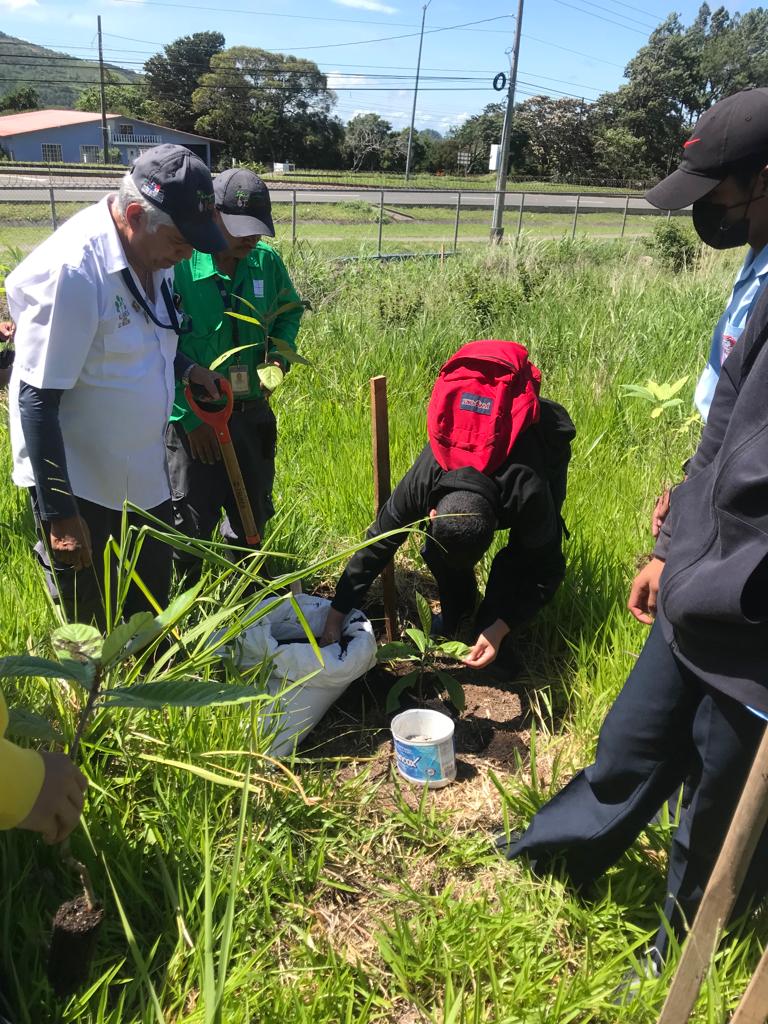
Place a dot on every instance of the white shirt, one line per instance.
(78, 329)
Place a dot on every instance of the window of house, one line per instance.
(51, 152)
(90, 154)
(125, 129)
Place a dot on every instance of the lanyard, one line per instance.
(174, 325)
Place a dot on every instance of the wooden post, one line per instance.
(753, 1008)
(723, 888)
(382, 488)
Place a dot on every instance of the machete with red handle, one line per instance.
(219, 420)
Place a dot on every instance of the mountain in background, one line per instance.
(57, 77)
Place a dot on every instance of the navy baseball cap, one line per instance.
(243, 201)
(731, 133)
(177, 182)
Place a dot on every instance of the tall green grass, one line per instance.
(324, 903)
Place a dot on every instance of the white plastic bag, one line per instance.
(281, 636)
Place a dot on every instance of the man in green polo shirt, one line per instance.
(248, 278)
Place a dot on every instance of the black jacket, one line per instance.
(528, 492)
(714, 588)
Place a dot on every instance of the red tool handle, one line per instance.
(219, 420)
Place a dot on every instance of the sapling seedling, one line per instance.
(425, 653)
(270, 376)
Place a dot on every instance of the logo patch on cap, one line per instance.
(241, 197)
(690, 142)
(153, 191)
(205, 201)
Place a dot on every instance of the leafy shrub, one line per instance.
(675, 245)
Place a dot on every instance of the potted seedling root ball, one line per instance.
(425, 655)
(92, 667)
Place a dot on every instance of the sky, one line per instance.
(369, 48)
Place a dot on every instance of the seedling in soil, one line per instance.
(270, 376)
(425, 653)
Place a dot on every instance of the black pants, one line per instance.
(664, 726)
(457, 587)
(81, 592)
(201, 491)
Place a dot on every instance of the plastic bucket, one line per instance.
(424, 747)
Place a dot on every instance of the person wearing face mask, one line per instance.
(245, 277)
(694, 707)
(724, 176)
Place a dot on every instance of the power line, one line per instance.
(626, 17)
(640, 10)
(564, 3)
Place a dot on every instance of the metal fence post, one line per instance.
(575, 215)
(456, 224)
(54, 218)
(293, 217)
(381, 220)
(624, 218)
(669, 214)
(520, 216)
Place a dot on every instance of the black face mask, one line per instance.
(709, 222)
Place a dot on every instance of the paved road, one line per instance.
(28, 188)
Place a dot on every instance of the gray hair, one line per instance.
(129, 193)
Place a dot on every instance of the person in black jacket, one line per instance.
(464, 508)
(694, 705)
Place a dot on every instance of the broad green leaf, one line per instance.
(179, 693)
(419, 638)
(655, 413)
(242, 316)
(453, 688)
(395, 651)
(28, 725)
(23, 665)
(140, 624)
(286, 350)
(179, 606)
(270, 377)
(285, 308)
(425, 613)
(217, 362)
(402, 684)
(245, 302)
(454, 649)
(76, 640)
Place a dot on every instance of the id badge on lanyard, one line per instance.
(240, 379)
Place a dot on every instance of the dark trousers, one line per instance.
(201, 491)
(664, 727)
(81, 592)
(457, 587)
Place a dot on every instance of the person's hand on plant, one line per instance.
(332, 631)
(644, 593)
(487, 645)
(203, 444)
(60, 802)
(71, 541)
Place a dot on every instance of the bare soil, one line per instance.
(73, 943)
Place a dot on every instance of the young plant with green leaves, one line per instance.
(270, 376)
(426, 654)
(663, 397)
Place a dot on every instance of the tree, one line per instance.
(21, 99)
(173, 76)
(130, 100)
(478, 134)
(263, 105)
(558, 135)
(366, 140)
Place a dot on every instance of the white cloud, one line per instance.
(338, 80)
(368, 5)
(16, 5)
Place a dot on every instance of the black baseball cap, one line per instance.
(243, 201)
(177, 182)
(731, 133)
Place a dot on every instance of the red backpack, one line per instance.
(485, 396)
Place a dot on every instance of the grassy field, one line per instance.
(351, 228)
(480, 182)
(336, 896)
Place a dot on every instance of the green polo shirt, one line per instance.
(206, 293)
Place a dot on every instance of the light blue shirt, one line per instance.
(747, 287)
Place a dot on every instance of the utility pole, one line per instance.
(104, 132)
(497, 230)
(415, 92)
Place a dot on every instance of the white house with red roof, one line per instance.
(73, 136)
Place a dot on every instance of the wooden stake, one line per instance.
(382, 488)
(753, 1008)
(722, 890)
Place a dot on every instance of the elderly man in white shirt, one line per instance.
(95, 371)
